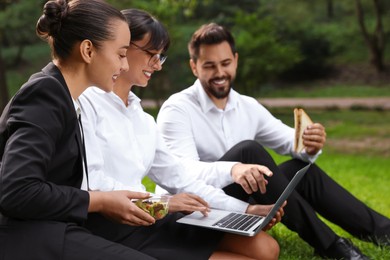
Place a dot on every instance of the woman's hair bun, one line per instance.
(49, 24)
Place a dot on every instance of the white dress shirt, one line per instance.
(193, 127)
(84, 183)
(123, 145)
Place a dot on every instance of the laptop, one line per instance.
(238, 222)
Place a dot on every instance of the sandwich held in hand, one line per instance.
(301, 121)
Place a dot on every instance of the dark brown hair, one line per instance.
(66, 22)
(209, 34)
(142, 23)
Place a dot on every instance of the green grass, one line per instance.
(366, 177)
(363, 171)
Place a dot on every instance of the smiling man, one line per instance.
(210, 121)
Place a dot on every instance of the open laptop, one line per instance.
(241, 223)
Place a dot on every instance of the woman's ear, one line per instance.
(86, 50)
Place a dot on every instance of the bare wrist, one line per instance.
(96, 201)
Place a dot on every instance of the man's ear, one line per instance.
(193, 68)
(236, 59)
(86, 50)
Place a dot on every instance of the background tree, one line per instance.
(280, 43)
(3, 84)
(376, 40)
(17, 30)
(329, 9)
(263, 50)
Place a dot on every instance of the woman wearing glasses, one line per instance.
(123, 146)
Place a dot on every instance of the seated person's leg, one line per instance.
(261, 246)
(167, 239)
(80, 244)
(338, 205)
(299, 215)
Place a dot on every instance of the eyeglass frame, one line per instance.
(159, 56)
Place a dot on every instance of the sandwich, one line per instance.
(301, 121)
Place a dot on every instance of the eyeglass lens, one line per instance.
(156, 58)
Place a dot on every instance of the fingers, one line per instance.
(137, 195)
(138, 217)
(276, 219)
(188, 203)
(279, 214)
(257, 209)
(314, 138)
(270, 225)
(199, 200)
(251, 177)
(254, 181)
(117, 206)
(315, 133)
(260, 180)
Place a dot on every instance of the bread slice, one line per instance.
(301, 121)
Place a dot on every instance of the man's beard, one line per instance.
(215, 91)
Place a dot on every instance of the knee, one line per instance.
(266, 247)
(274, 249)
(250, 145)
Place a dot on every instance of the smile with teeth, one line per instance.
(219, 81)
(114, 77)
(147, 74)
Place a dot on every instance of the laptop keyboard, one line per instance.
(238, 221)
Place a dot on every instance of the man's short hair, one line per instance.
(209, 34)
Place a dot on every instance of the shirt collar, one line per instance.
(207, 104)
(76, 104)
(133, 101)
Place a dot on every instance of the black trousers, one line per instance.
(165, 240)
(80, 244)
(316, 193)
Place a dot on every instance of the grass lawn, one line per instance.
(366, 177)
(356, 156)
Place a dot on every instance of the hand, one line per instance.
(251, 177)
(314, 138)
(188, 203)
(117, 206)
(262, 210)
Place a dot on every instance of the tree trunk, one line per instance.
(18, 57)
(329, 9)
(3, 85)
(376, 41)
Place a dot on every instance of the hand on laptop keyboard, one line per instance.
(188, 203)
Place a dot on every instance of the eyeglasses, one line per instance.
(154, 57)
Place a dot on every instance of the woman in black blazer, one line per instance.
(44, 198)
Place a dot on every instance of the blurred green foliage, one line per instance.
(277, 41)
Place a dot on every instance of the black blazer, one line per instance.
(40, 169)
